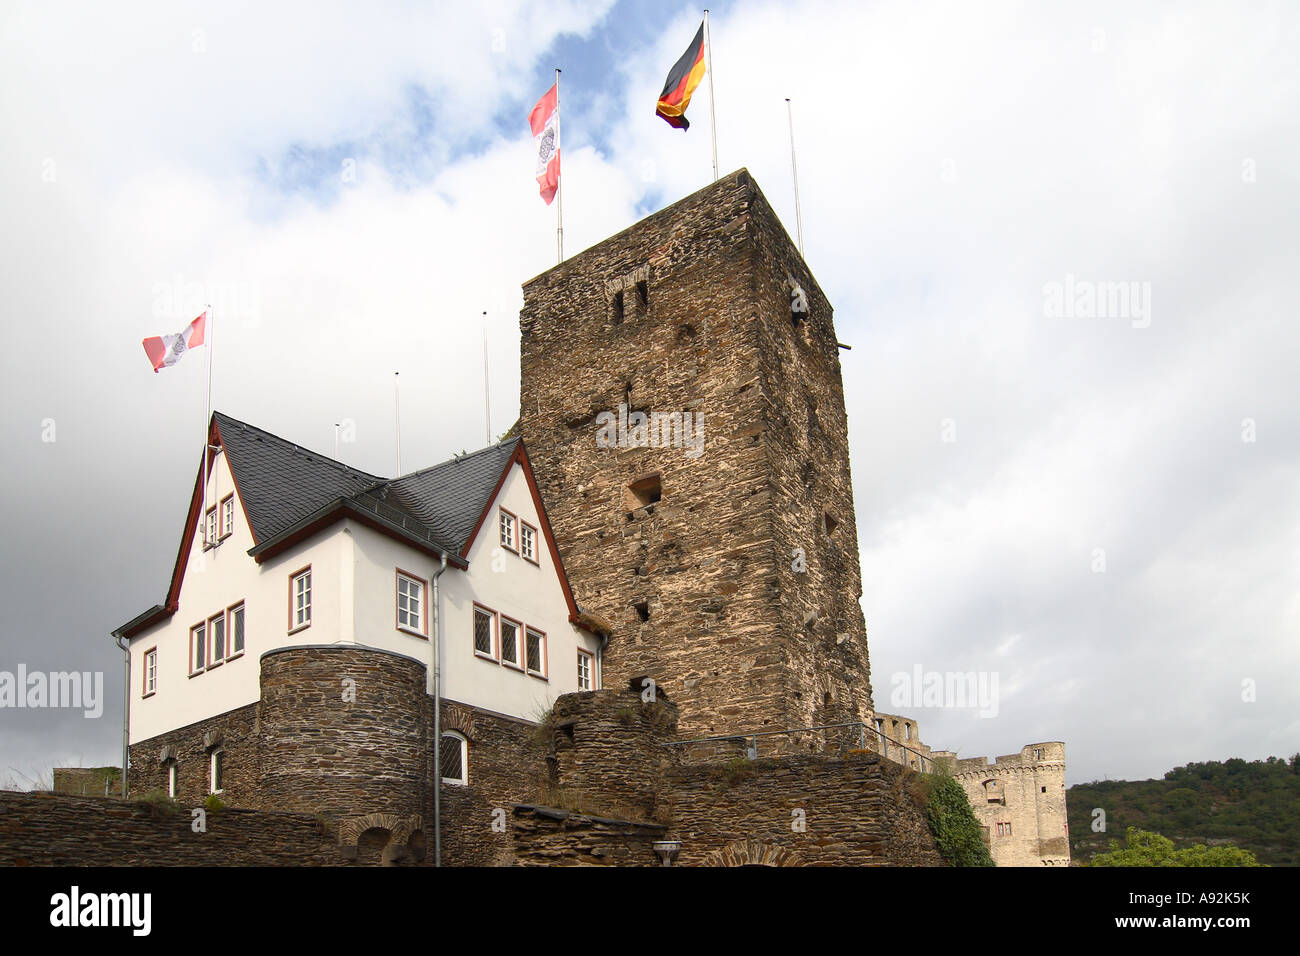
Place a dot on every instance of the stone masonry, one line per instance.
(731, 575)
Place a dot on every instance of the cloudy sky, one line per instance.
(1100, 505)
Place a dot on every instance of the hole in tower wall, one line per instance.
(643, 295)
(643, 492)
(616, 314)
(642, 609)
(830, 523)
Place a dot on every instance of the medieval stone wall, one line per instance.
(191, 747)
(42, 829)
(693, 557)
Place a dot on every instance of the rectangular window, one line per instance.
(410, 603)
(528, 541)
(210, 527)
(300, 599)
(535, 652)
(150, 671)
(507, 521)
(217, 638)
(218, 770)
(198, 648)
(585, 670)
(227, 515)
(483, 643)
(509, 641)
(171, 779)
(235, 619)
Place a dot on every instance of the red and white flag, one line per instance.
(167, 349)
(545, 122)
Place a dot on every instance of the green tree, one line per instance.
(1143, 848)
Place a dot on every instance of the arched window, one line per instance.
(454, 754)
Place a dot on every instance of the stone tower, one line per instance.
(729, 569)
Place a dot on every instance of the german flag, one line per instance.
(683, 78)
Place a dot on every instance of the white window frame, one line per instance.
(150, 671)
(300, 611)
(210, 527)
(418, 598)
(507, 521)
(528, 542)
(216, 768)
(588, 658)
(502, 621)
(493, 632)
(217, 619)
(541, 650)
(173, 779)
(231, 652)
(195, 654)
(227, 515)
(463, 779)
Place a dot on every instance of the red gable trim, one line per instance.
(192, 520)
(520, 457)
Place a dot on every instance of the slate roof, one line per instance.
(283, 485)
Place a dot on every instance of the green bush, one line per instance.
(953, 824)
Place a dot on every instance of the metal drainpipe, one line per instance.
(126, 706)
(437, 719)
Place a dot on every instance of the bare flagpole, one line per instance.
(397, 421)
(708, 68)
(487, 403)
(794, 169)
(209, 338)
(559, 185)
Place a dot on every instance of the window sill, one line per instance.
(146, 696)
(235, 656)
(196, 673)
(300, 627)
(539, 676)
(514, 551)
(533, 561)
(411, 632)
(513, 667)
(486, 657)
(455, 783)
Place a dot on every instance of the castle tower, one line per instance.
(729, 569)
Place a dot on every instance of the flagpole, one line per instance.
(794, 169)
(487, 404)
(210, 338)
(559, 188)
(708, 68)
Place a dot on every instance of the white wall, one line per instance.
(354, 595)
(215, 580)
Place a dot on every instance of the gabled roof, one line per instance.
(288, 493)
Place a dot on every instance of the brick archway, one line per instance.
(753, 853)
